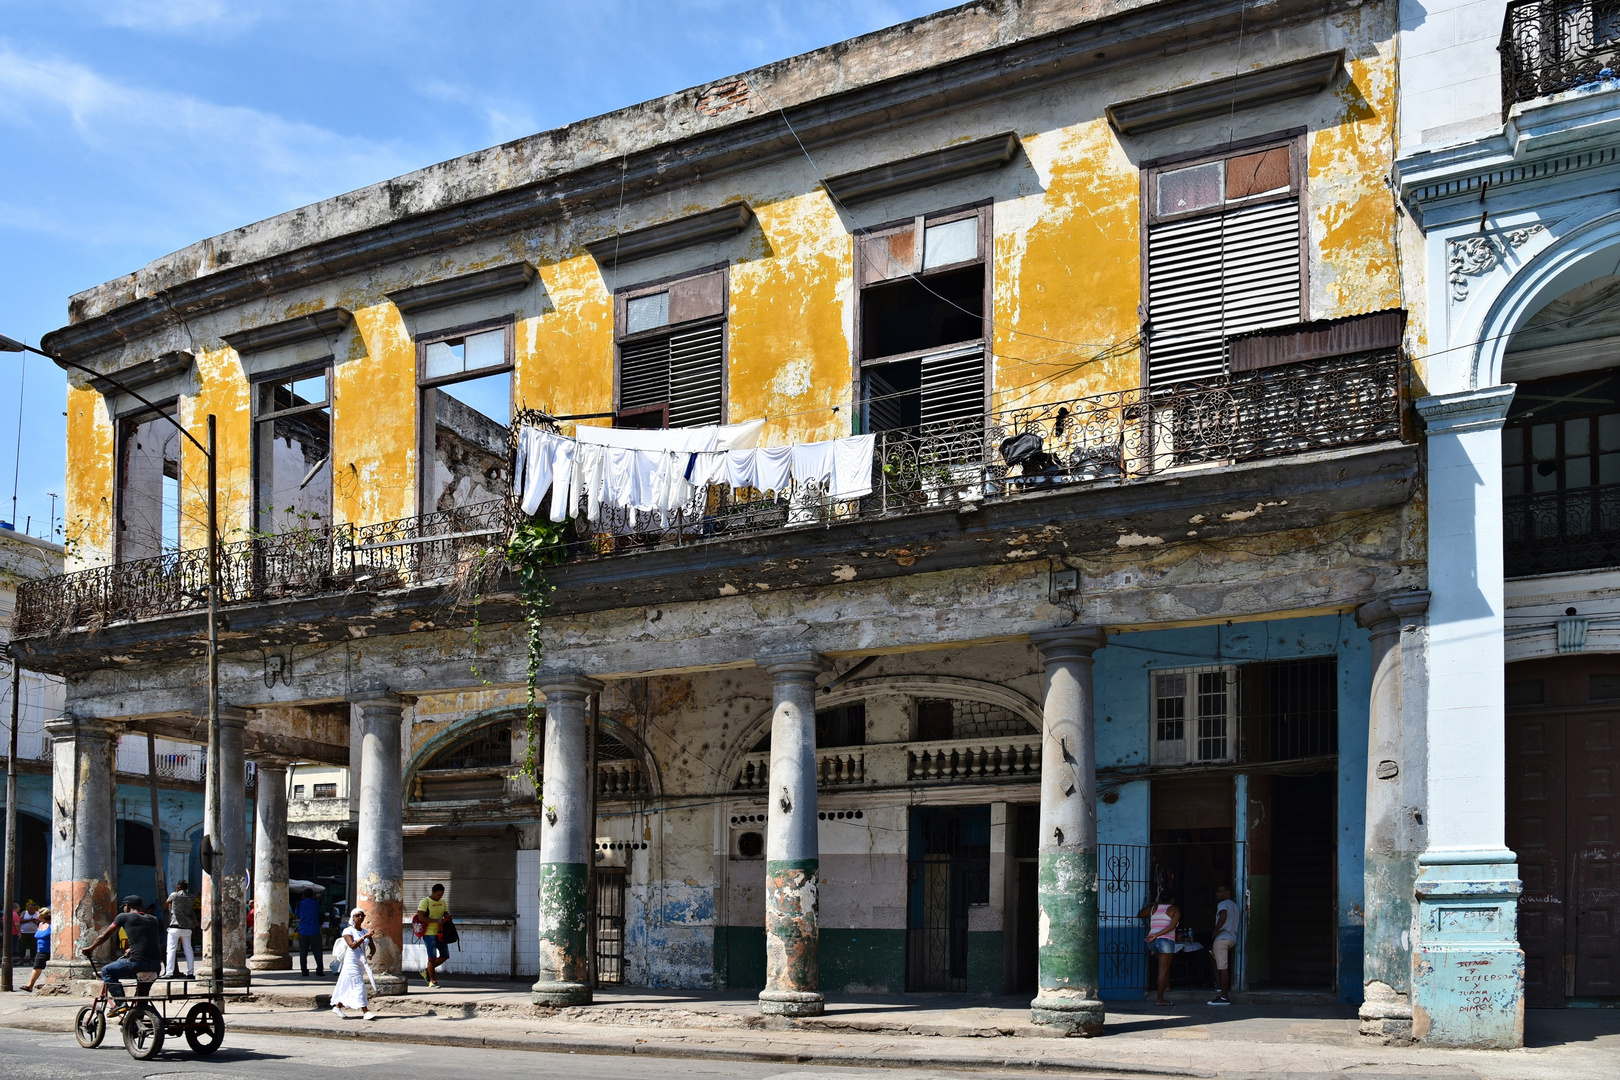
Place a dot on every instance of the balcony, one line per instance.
(1108, 440)
(1550, 46)
(1551, 532)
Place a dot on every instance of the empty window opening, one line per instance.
(942, 719)
(326, 791)
(466, 413)
(148, 486)
(1223, 258)
(293, 450)
(672, 347)
(922, 321)
(843, 726)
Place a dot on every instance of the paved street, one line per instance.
(30, 1056)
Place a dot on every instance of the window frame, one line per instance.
(121, 425)
(1294, 139)
(984, 209)
(325, 365)
(424, 452)
(621, 299)
(1191, 717)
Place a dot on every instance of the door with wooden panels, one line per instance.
(1563, 764)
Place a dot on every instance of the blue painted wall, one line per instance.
(1123, 712)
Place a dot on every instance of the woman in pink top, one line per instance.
(1163, 917)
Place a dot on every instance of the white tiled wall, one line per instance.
(485, 948)
(528, 913)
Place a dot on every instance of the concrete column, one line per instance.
(792, 844)
(1467, 968)
(84, 849)
(270, 952)
(231, 882)
(1394, 832)
(1066, 883)
(380, 859)
(565, 845)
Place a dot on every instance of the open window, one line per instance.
(924, 299)
(1223, 254)
(671, 339)
(465, 375)
(292, 451)
(148, 485)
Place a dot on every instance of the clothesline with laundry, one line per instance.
(660, 470)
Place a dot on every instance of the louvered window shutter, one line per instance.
(1214, 276)
(682, 369)
(644, 374)
(695, 361)
(953, 385)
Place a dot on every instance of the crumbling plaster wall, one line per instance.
(1065, 268)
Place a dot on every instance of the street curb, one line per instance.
(840, 1058)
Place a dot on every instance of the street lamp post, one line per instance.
(210, 844)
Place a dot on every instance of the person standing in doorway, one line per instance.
(430, 915)
(42, 947)
(182, 921)
(308, 914)
(1163, 917)
(1225, 943)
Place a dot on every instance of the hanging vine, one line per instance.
(534, 546)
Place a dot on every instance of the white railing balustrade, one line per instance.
(974, 760)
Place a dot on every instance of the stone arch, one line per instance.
(456, 730)
(1576, 255)
(914, 686)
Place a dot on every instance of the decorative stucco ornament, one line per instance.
(1478, 255)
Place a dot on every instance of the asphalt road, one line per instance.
(26, 1055)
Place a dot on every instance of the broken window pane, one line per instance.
(294, 465)
(646, 312)
(1195, 188)
(466, 424)
(952, 242)
(148, 487)
(457, 356)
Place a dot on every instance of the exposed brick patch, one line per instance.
(723, 97)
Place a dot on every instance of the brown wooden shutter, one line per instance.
(700, 297)
(696, 360)
(888, 255)
(644, 374)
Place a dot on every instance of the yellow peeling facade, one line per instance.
(1065, 266)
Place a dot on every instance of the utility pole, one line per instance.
(6, 959)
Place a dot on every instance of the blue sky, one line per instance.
(131, 128)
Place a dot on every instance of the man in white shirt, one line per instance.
(1226, 924)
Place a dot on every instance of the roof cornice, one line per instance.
(1154, 30)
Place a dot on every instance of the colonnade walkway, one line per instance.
(1189, 1039)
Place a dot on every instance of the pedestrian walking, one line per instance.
(1226, 924)
(354, 949)
(42, 947)
(308, 914)
(431, 914)
(182, 921)
(26, 930)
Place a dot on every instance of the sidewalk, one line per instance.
(941, 1031)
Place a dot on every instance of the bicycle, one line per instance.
(146, 1022)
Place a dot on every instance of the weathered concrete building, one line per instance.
(1136, 602)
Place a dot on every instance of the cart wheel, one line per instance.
(143, 1033)
(205, 1028)
(90, 1027)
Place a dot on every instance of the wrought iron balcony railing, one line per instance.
(1552, 531)
(1109, 438)
(1549, 46)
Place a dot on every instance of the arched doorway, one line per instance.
(1563, 822)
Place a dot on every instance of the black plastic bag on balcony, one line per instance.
(1027, 450)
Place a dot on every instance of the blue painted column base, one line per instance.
(1467, 967)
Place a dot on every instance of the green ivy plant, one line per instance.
(534, 546)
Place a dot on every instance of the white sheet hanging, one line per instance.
(536, 453)
(739, 470)
(813, 462)
(773, 465)
(593, 475)
(564, 478)
(852, 467)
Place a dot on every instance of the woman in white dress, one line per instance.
(350, 991)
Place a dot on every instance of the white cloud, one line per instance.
(169, 16)
(504, 119)
(156, 163)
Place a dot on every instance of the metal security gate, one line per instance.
(609, 928)
(949, 870)
(1129, 876)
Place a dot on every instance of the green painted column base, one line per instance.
(1070, 1013)
(564, 965)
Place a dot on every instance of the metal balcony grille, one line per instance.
(1132, 434)
(1551, 531)
(1550, 46)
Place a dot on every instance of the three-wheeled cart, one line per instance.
(146, 1022)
